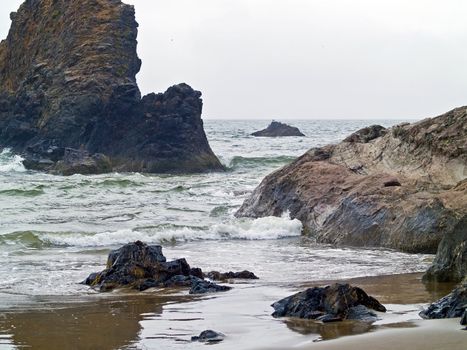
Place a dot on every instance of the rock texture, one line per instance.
(402, 188)
(451, 306)
(277, 129)
(67, 84)
(328, 304)
(140, 266)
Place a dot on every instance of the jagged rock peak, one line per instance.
(68, 82)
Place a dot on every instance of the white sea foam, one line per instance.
(11, 162)
(268, 228)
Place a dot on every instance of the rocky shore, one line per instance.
(70, 103)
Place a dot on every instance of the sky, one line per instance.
(304, 59)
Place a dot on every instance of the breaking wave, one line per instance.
(11, 162)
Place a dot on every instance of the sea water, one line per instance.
(55, 230)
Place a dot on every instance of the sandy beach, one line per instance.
(168, 318)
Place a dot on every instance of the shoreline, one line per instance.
(169, 318)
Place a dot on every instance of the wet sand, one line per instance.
(167, 320)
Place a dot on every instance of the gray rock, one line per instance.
(209, 336)
(277, 129)
(451, 306)
(329, 304)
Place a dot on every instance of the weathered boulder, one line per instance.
(140, 266)
(219, 276)
(277, 129)
(405, 189)
(451, 306)
(328, 304)
(68, 81)
(209, 336)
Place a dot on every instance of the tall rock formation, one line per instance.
(402, 188)
(69, 101)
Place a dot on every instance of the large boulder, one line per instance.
(403, 188)
(277, 129)
(68, 81)
(141, 266)
(331, 303)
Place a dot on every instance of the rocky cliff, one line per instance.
(68, 86)
(402, 188)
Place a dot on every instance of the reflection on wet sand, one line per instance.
(103, 323)
(167, 319)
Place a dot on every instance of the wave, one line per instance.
(237, 162)
(11, 162)
(268, 228)
(17, 192)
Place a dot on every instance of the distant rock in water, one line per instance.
(403, 188)
(68, 86)
(219, 276)
(140, 266)
(277, 129)
(329, 304)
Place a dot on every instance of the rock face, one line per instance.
(67, 81)
(451, 306)
(405, 189)
(277, 129)
(140, 266)
(331, 303)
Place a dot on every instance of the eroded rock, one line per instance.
(68, 82)
(277, 129)
(404, 189)
(141, 266)
(329, 304)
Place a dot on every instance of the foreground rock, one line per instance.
(451, 306)
(277, 129)
(209, 336)
(140, 266)
(67, 85)
(403, 188)
(328, 304)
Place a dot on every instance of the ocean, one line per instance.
(56, 230)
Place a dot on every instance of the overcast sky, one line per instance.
(288, 59)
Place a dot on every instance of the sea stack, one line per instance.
(277, 129)
(403, 188)
(69, 101)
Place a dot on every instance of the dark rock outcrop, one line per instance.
(329, 304)
(67, 84)
(219, 276)
(451, 306)
(405, 190)
(140, 266)
(277, 129)
(209, 336)
(367, 134)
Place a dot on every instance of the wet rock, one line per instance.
(405, 189)
(141, 266)
(218, 276)
(329, 304)
(200, 286)
(464, 319)
(68, 81)
(451, 306)
(450, 264)
(277, 129)
(209, 336)
(367, 134)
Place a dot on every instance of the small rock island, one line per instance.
(70, 103)
(278, 129)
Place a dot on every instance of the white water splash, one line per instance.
(11, 162)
